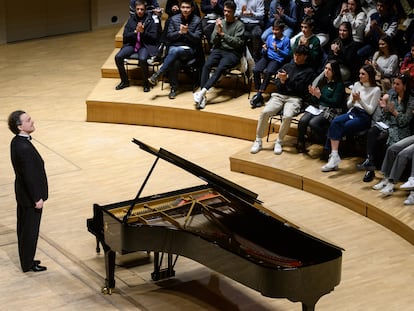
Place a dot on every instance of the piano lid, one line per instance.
(200, 172)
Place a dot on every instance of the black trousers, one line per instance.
(28, 223)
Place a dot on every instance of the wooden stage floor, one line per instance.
(94, 162)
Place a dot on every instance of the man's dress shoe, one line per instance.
(36, 268)
(36, 262)
(122, 85)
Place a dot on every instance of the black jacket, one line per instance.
(31, 181)
(150, 37)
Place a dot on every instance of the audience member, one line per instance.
(212, 9)
(286, 12)
(397, 157)
(407, 67)
(327, 102)
(251, 13)
(385, 61)
(321, 12)
(141, 35)
(291, 86)
(184, 40)
(228, 43)
(383, 22)
(343, 49)
(361, 103)
(392, 125)
(151, 5)
(310, 40)
(352, 12)
(275, 53)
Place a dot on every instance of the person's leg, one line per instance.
(303, 126)
(28, 223)
(401, 161)
(291, 109)
(319, 126)
(143, 55)
(123, 53)
(272, 108)
(226, 60)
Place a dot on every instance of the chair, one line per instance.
(278, 117)
(193, 66)
(132, 60)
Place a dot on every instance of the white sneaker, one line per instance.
(278, 148)
(388, 189)
(409, 185)
(332, 164)
(410, 199)
(381, 184)
(202, 103)
(257, 146)
(197, 97)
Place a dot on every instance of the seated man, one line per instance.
(184, 37)
(251, 13)
(275, 52)
(151, 5)
(141, 35)
(291, 86)
(228, 43)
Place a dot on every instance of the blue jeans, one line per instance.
(175, 55)
(349, 123)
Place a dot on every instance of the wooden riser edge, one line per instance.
(171, 117)
(325, 191)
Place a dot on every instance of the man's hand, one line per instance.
(39, 204)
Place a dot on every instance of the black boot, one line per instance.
(369, 176)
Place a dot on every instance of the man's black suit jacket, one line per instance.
(31, 181)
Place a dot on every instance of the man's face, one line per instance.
(186, 9)
(140, 9)
(228, 14)
(299, 59)
(27, 124)
(306, 29)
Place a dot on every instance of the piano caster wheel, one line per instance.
(106, 291)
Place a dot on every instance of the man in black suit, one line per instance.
(30, 186)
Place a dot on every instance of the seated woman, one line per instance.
(275, 52)
(396, 159)
(361, 103)
(343, 49)
(407, 67)
(396, 110)
(352, 13)
(385, 62)
(328, 97)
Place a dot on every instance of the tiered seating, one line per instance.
(232, 116)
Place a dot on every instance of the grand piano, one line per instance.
(222, 226)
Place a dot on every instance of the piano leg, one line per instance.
(308, 307)
(163, 273)
(110, 271)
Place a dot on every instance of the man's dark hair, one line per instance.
(14, 121)
(190, 2)
(230, 4)
(279, 24)
(141, 2)
(302, 49)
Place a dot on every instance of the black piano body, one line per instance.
(224, 227)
